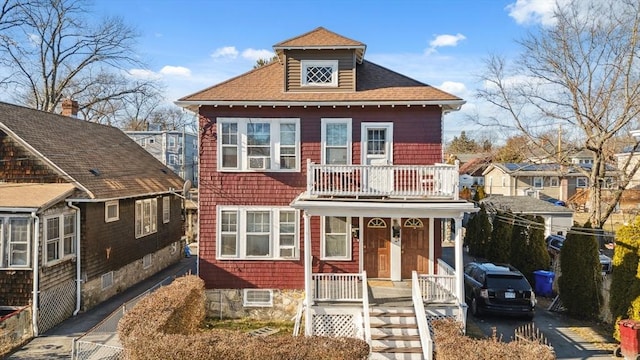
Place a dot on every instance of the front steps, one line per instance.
(394, 333)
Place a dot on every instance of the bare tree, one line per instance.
(58, 52)
(581, 74)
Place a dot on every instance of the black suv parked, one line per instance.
(499, 289)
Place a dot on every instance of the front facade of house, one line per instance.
(78, 226)
(320, 163)
(178, 150)
(538, 180)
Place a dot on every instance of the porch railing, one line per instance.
(338, 287)
(421, 317)
(406, 181)
(365, 309)
(437, 288)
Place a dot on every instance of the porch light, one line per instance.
(355, 233)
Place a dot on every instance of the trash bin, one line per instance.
(544, 282)
(629, 347)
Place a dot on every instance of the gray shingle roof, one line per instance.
(100, 159)
(524, 204)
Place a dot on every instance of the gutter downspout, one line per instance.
(78, 257)
(36, 273)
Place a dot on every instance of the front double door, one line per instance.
(411, 247)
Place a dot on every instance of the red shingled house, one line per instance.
(318, 171)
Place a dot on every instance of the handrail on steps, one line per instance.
(421, 318)
(365, 309)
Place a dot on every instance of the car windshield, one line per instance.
(506, 281)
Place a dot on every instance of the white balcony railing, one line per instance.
(419, 181)
(437, 288)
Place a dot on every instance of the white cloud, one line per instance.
(144, 74)
(225, 52)
(526, 12)
(175, 71)
(446, 40)
(255, 55)
(453, 87)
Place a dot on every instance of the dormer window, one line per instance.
(319, 73)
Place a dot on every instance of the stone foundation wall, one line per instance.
(15, 330)
(227, 303)
(131, 274)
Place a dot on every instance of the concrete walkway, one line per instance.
(56, 343)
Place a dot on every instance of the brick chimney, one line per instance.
(70, 108)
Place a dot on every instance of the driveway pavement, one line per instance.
(56, 343)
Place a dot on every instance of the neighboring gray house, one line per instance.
(557, 219)
(176, 149)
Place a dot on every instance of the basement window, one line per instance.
(257, 298)
(107, 280)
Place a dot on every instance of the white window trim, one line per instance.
(274, 235)
(107, 278)
(554, 179)
(247, 303)
(537, 179)
(304, 64)
(61, 237)
(324, 122)
(166, 209)
(5, 247)
(107, 204)
(153, 221)
(147, 261)
(582, 178)
(349, 254)
(242, 147)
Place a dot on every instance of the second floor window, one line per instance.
(538, 182)
(258, 144)
(582, 182)
(336, 141)
(146, 217)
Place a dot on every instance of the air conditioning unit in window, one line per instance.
(258, 162)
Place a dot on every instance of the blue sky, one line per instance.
(194, 44)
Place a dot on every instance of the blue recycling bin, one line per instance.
(544, 282)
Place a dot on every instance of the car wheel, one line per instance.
(475, 311)
(617, 352)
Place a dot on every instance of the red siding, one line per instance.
(417, 140)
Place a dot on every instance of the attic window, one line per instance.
(319, 73)
(95, 172)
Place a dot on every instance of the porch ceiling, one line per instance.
(383, 207)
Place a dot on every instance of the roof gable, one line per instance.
(321, 38)
(101, 160)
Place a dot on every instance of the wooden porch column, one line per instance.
(432, 251)
(459, 260)
(308, 257)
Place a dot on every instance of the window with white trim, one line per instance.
(319, 73)
(146, 217)
(15, 244)
(59, 237)
(554, 181)
(166, 209)
(538, 182)
(259, 233)
(107, 280)
(582, 182)
(257, 298)
(171, 140)
(174, 159)
(147, 261)
(111, 211)
(258, 144)
(336, 141)
(335, 239)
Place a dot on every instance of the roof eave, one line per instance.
(360, 49)
(447, 105)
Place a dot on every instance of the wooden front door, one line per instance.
(377, 246)
(415, 247)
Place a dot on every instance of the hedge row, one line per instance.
(168, 325)
(450, 344)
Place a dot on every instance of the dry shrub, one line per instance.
(167, 325)
(450, 344)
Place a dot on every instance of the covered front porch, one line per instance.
(395, 212)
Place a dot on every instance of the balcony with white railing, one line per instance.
(399, 181)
